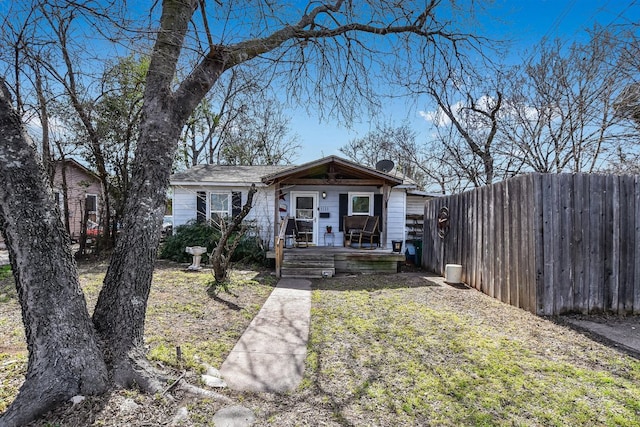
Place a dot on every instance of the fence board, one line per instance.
(635, 200)
(564, 270)
(627, 245)
(527, 268)
(519, 289)
(615, 245)
(513, 214)
(609, 226)
(596, 231)
(580, 254)
(549, 230)
(549, 244)
(498, 224)
(481, 238)
(486, 236)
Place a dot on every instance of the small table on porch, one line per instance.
(329, 238)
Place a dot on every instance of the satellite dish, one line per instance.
(384, 165)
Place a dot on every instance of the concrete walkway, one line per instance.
(270, 355)
(622, 332)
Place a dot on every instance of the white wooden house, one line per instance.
(322, 192)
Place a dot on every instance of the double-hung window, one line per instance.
(91, 205)
(360, 204)
(220, 205)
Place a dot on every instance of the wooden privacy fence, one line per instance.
(547, 243)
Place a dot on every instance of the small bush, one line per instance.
(250, 249)
(5, 272)
(190, 234)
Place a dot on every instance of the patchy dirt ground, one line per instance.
(383, 350)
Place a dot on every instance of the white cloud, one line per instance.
(438, 118)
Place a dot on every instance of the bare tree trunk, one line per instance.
(44, 121)
(65, 193)
(82, 250)
(64, 359)
(222, 253)
(120, 311)
(69, 81)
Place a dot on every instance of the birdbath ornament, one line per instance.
(197, 252)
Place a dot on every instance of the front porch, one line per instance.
(326, 261)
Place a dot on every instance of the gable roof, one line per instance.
(331, 168)
(74, 163)
(224, 174)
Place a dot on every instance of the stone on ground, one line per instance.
(234, 416)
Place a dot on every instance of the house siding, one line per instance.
(415, 205)
(395, 210)
(79, 185)
(396, 213)
(184, 206)
(329, 205)
(264, 208)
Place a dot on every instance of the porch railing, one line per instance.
(280, 241)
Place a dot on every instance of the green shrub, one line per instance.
(190, 234)
(5, 272)
(250, 249)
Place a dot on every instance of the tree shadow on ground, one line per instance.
(230, 304)
(216, 291)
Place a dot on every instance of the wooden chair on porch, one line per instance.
(370, 233)
(352, 226)
(304, 233)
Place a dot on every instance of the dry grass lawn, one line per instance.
(384, 350)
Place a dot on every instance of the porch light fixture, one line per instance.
(324, 194)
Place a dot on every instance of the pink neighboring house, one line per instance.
(83, 192)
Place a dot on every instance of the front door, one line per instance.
(305, 208)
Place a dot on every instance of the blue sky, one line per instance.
(524, 23)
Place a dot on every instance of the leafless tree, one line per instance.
(327, 52)
(627, 103)
(560, 114)
(218, 112)
(260, 135)
(63, 348)
(388, 142)
(468, 107)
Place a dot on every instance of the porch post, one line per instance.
(385, 215)
(276, 212)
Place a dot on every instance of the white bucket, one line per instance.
(453, 273)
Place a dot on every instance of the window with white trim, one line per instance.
(91, 205)
(219, 205)
(360, 204)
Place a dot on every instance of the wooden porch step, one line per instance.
(308, 261)
(302, 254)
(307, 264)
(307, 273)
